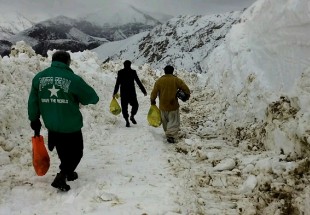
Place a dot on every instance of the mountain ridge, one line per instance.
(183, 42)
(43, 35)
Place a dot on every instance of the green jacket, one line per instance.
(56, 93)
(166, 88)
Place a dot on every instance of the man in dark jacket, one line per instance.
(56, 94)
(126, 81)
(166, 88)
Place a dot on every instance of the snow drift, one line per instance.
(262, 73)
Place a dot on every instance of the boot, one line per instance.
(127, 123)
(171, 140)
(132, 119)
(60, 182)
(72, 176)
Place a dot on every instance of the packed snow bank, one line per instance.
(123, 171)
(262, 74)
(135, 171)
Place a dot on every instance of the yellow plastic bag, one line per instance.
(114, 107)
(153, 116)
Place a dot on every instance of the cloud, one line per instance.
(194, 7)
(76, 8)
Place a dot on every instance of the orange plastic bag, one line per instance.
(40, 157)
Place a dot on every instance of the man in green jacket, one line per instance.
(166, 88)
(56, 94)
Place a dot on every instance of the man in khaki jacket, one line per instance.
(166, 88)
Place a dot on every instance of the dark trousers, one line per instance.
(69, 147)
(133, 102)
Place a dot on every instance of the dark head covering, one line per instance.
(168, 69)
(61, 56)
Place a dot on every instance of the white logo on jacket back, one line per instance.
(53, 91)
(58, 83)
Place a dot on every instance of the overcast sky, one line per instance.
(74, 8)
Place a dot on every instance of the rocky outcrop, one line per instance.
(5, 47)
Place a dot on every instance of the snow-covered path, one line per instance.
(123, 171)
(130, 171)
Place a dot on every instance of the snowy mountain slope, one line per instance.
(183, 42)
(60, 27)
(124, 20)
(120, 15)
(120, 22)
(14, 23)
(58, 33)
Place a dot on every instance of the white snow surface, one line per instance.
(244, 139)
